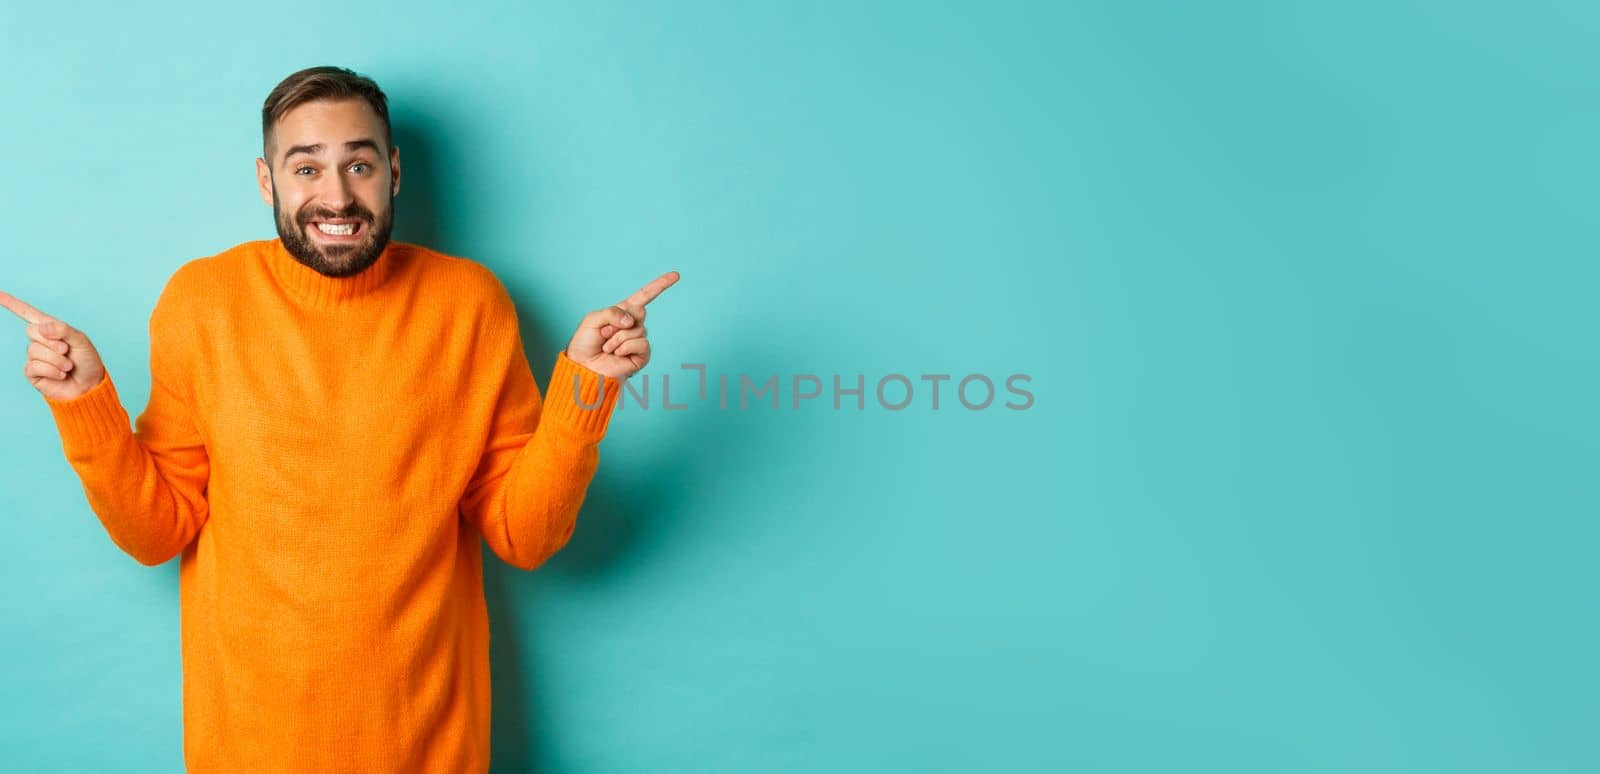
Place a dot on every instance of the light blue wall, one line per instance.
(1306, 292)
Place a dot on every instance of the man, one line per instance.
(334, 421)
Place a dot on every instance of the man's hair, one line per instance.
(325, 82)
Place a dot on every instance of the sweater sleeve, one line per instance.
(525, 495)
(147, 485)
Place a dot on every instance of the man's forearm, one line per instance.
(535, 510)
(150, 507)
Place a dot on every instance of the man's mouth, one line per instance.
(338, 229)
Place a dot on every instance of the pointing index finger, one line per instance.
(649, 292)
(22, 310)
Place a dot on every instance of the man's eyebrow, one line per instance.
(365, 142)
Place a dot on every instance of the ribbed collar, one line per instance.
(309, 286)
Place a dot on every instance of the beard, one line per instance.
(334, 260)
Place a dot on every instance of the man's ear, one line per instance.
(394, 171)
(264, 181)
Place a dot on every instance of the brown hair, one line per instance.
(325, 82)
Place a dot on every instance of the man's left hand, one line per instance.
(611, 341)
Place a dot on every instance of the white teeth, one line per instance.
(344, 230)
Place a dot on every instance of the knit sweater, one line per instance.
(325, 454)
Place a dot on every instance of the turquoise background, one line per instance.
(1305, 290)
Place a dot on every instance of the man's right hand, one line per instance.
(62, 364)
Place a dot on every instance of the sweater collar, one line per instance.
(314, 288)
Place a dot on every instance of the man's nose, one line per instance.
(336, 194)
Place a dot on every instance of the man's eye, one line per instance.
(302, 169)
(359, 164)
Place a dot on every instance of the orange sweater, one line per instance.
(325, 454)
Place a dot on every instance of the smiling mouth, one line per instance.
(338, 230)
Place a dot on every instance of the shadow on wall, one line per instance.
(416, 209)
(622, 513)
(636, 506)
(624, 516)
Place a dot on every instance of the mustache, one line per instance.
(352, 212)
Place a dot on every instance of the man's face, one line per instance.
(330, 172)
